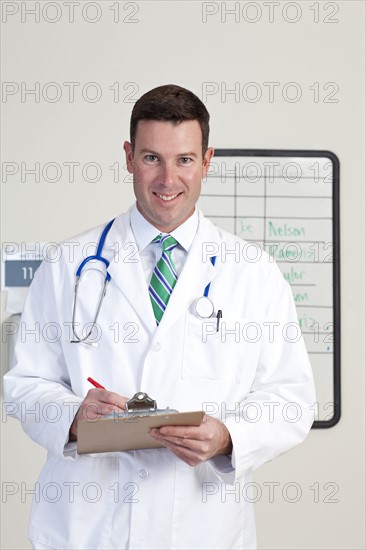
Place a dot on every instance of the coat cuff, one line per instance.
(222, 467)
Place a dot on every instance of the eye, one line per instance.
(185, 160)
(151, 158)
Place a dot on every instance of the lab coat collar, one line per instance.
(126, 270)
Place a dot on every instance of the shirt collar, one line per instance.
(144, 232)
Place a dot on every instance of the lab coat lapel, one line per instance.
(126, 270)
(197, 272)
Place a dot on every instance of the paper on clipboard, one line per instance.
(130, 431)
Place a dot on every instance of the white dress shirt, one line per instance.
(150, 253)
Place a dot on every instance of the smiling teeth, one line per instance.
(165, 198)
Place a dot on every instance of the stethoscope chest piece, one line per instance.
(204, 307)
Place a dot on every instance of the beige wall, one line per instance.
(169, 42)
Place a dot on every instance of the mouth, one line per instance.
(167, 198)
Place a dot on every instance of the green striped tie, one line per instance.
(164, 277)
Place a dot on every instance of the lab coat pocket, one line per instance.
(229, 354)
(70, 494)
(202, 500)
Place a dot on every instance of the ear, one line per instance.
(206, 161)
(129, 156)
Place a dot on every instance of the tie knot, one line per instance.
(167, 242)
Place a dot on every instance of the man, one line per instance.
(193, 492)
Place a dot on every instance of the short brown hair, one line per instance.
(170, 103)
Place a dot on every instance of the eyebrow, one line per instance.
(152, 152)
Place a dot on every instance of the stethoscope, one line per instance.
(203, 306)
(98, 258)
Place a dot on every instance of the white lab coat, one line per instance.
(247, 378)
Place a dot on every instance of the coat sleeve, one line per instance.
(37, 389)
(277, 413)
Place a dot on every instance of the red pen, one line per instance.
(95, 383)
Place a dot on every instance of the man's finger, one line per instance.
(183, 453)
(109, 397)
(194, 445)
(94, 409)
(184, 432)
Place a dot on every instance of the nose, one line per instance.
(168, 174)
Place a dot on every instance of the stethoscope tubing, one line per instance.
(97, 257)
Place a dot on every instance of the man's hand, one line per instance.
(96, 404)
(195, 444)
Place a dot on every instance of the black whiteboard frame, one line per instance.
(336, 258)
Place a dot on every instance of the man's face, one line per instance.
(167, 167)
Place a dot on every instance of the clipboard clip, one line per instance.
(142, 405)
(141, 402)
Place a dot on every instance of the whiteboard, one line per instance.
(288, 203)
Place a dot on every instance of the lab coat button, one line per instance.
(144, 473)
(157, 347)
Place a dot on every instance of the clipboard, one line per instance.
(129, 431)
